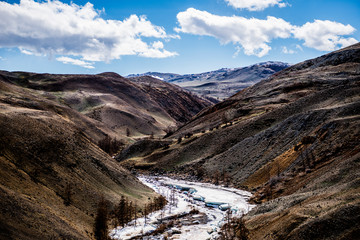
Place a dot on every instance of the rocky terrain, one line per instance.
(53, 174)
(222, 83)
(291, 139)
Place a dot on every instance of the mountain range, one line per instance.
(291, 139)
(222, 83)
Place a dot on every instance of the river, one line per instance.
(201, 224)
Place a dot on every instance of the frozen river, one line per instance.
(188, 196)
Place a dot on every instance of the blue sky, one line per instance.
(179, 36)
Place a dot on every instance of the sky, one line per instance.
(177, 36)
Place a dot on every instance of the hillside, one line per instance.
(116, 105)
(292, 139)
(52, 175)
(222, 83)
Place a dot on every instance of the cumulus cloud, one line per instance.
(325, 35)
(55, 28)
(255, 35)
(252, 34)
(255, 5)
(68, 60)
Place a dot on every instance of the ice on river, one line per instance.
(235, 198)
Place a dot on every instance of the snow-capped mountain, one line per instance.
(221, 83)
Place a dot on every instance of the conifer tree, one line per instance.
(101, 221)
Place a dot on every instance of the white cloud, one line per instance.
(56, 28)
(238, 50)
(287, 51)
(325, 35)
(77, 62)
(252, 34)
(158, 45)
(255, 5)
(26, 52)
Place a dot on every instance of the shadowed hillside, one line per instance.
(52, 175)
(291, 139)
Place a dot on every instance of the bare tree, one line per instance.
(101, 221)
(145, 213)
(121, 212)
(135, 213)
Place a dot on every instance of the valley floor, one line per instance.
(192, 219)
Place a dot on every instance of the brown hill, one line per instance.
(292, 140)
(52, 175)
(137, 107)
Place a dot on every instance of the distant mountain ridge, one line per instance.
(221, 83)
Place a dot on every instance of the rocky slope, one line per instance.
(292, 139)
(222, 83)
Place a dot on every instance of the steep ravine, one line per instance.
(291, 139)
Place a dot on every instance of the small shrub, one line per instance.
(234, 229)
(188, 135)
(308, 140)
(200, 173)
(273, 181)
(68, 194)
(194, 211)
(160, 229)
